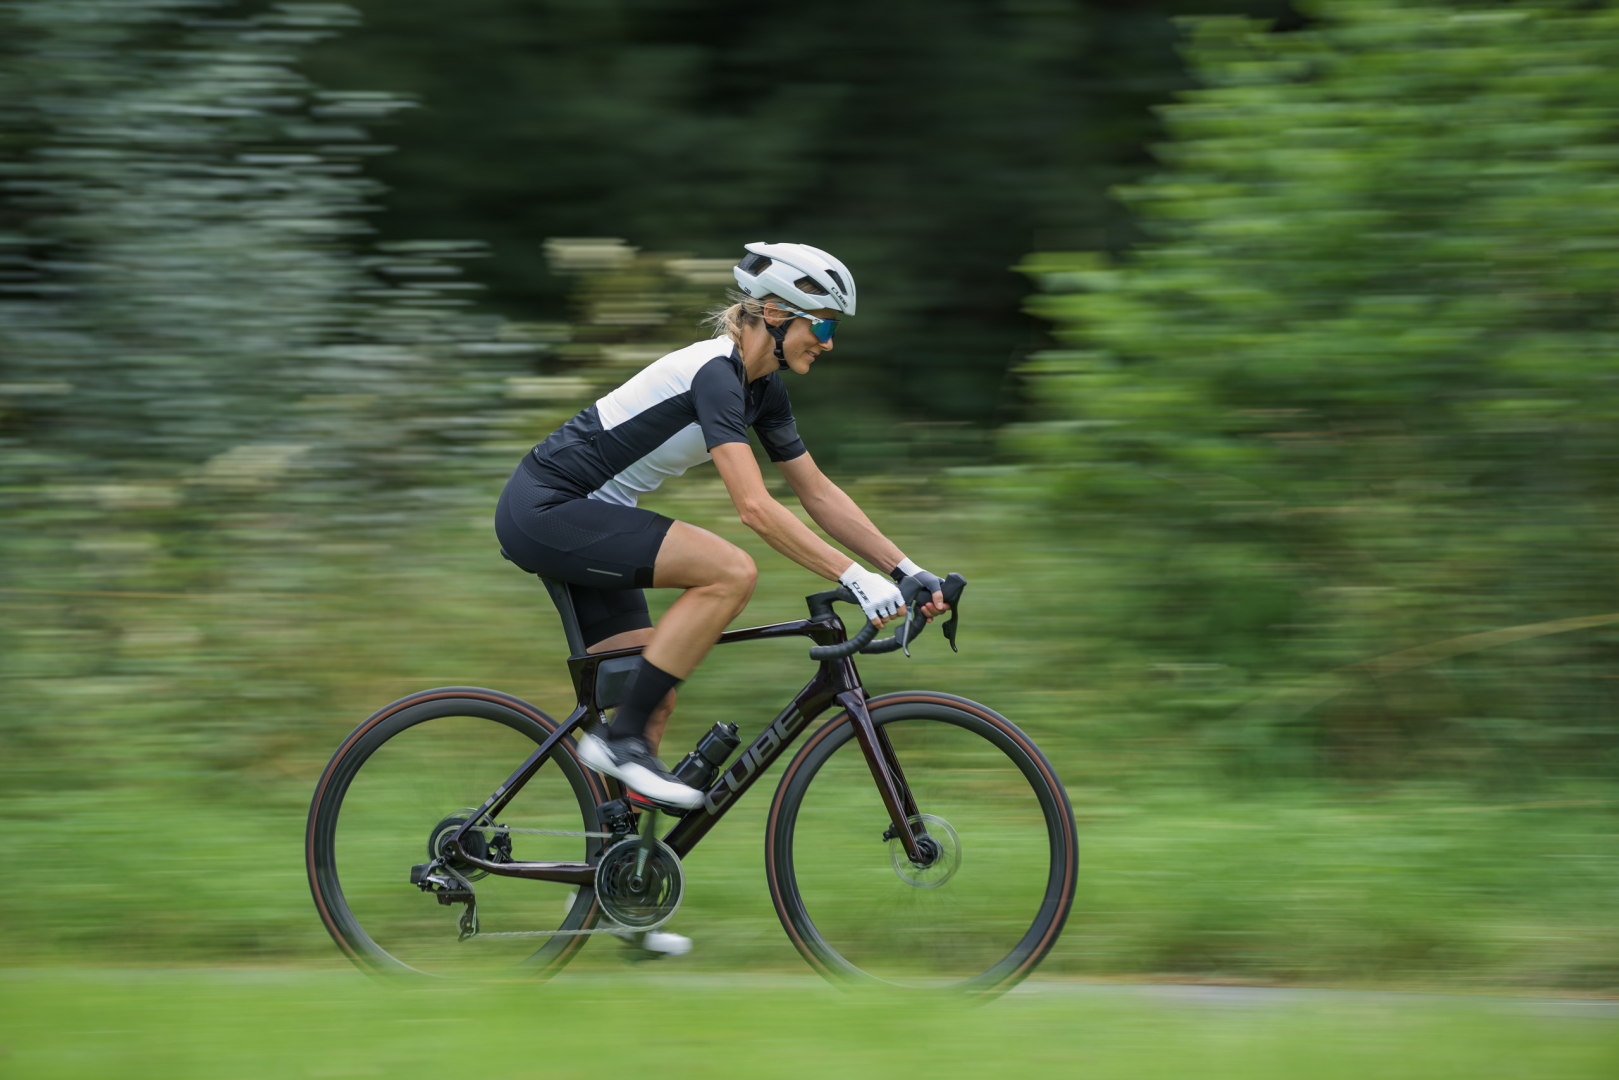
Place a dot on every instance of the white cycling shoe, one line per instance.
(668, 944)
(630, 760)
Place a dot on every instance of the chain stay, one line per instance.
(611, 928)
(500, 830)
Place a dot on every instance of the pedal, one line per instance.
(617, 816)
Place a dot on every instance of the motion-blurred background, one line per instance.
(1256, 364)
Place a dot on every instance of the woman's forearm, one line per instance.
(846, 523)
(780, 528)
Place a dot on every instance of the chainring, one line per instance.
(649, 903)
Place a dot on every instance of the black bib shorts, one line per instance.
(606, 551)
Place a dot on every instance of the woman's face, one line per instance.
(800, 346)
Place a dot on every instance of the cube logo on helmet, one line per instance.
(806, 277)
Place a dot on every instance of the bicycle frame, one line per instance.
(837, 682)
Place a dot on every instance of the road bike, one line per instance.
(915, 838)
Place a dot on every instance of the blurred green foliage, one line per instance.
(928, 143)
(1358, 390)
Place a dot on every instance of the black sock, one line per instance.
(652, 684)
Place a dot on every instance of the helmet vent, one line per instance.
(811, 286)
(833, 274)
(754, 264)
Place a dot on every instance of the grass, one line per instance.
(289, 1023)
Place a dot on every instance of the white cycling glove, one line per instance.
(879, 598)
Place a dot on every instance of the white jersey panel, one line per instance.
(680, 452)
(668, 376)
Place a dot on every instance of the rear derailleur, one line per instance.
(448, 886)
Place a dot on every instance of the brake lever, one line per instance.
(914, 595)
(954, 586)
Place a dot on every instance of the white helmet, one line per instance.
(797, 273)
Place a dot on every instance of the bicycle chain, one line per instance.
(616, 929)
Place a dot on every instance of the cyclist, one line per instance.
(569, 510)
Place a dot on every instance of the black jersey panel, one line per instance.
(567, 460)
(774, 422)
(720, 402)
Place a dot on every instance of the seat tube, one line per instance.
(898, 803)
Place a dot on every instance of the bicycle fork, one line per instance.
(890, 778)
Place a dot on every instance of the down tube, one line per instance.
(729, 787)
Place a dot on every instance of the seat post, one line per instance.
(562, 597)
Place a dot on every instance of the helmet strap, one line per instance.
(780, 334)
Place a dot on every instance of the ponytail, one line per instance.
(744, 311)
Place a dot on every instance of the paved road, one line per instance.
(1192, 995)
(1213, 996)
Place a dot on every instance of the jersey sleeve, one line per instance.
(721, 408)
(777, 429)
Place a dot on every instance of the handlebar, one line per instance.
(820, 606)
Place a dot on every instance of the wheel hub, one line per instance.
(938, 851)
(480, 844)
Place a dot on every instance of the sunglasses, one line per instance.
(823, 329)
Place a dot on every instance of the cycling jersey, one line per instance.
(568, 512)
(663, 421)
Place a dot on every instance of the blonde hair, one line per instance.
(743, 311)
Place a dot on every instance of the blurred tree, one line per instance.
(928, 144)
(203, 373)
(1358, 391)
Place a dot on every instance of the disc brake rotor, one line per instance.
(941, 842)
(641, 898)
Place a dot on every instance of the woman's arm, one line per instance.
(835, 512)
(844, 521)
(776, 525)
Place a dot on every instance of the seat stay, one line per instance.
(506, 792)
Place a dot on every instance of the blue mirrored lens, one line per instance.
(823, 329)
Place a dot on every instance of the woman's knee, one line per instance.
(738, 574)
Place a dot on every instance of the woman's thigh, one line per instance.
(691, 557)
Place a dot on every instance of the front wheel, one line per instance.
(991, 901)
(408, 778)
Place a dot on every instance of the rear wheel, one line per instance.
(405, 780)
(990, 899)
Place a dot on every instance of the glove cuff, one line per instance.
(905, 569)
(848, 576)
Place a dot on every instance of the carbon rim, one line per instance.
(826, 928)
(572, 791)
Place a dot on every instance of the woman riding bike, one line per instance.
(569, 510)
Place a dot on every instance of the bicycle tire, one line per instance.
(855, 918)
(367, 827)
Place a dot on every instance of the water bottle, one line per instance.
(697, 768)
